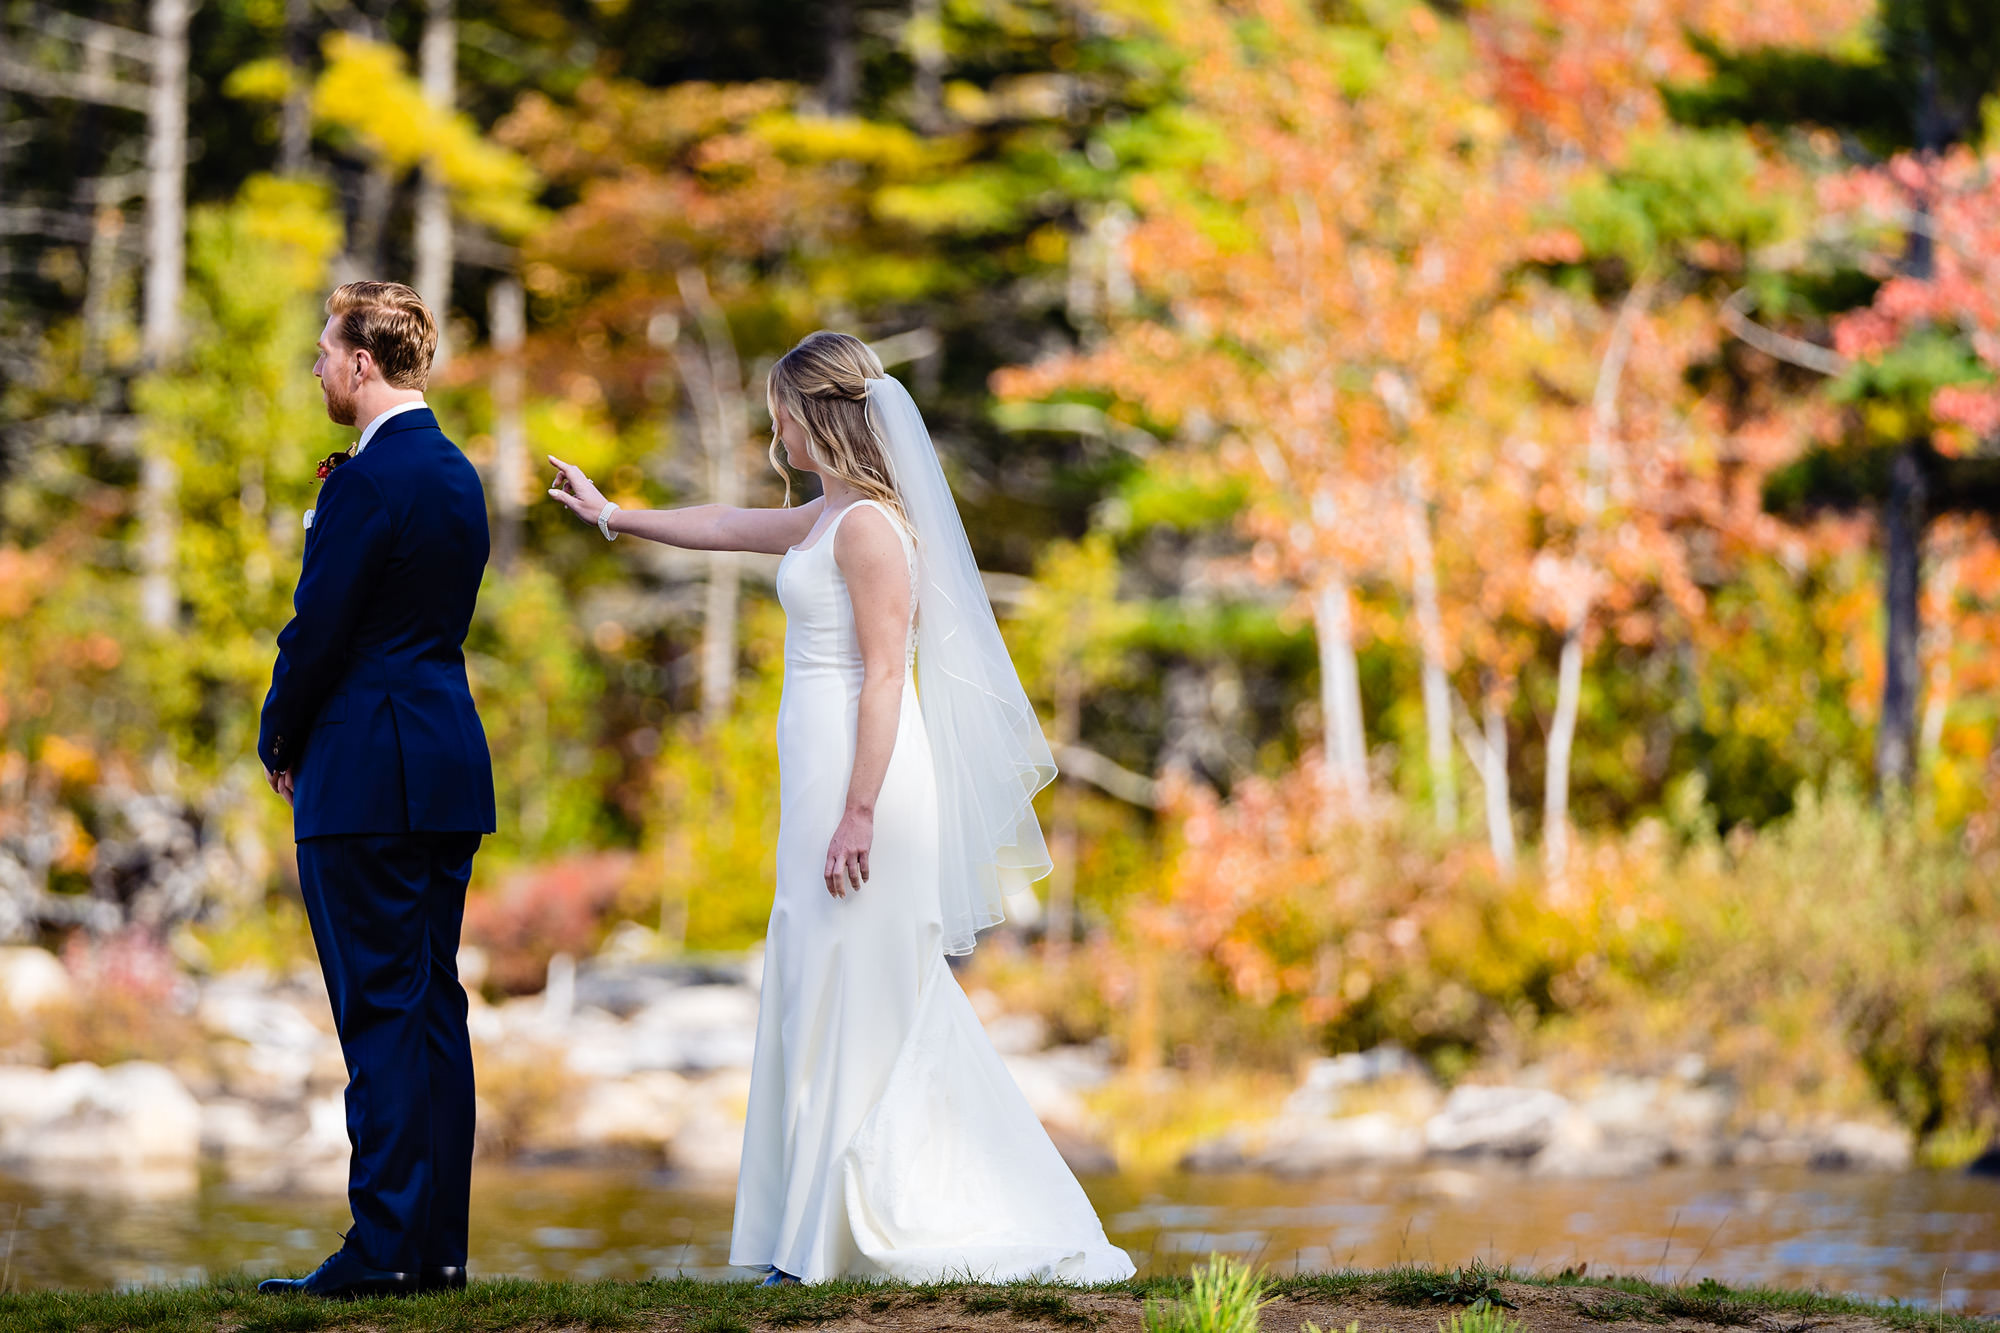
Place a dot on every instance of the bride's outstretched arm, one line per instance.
(696, 527)
(877, 573)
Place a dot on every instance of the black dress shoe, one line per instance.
(437, 1277)
(342, 1278)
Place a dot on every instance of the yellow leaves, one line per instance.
(1071, 625)
(296, 219)
(891, 149)
(366, 92)
(1162, 16)
(1048, 245)
(575, 431)
(1024, 97)
(971, 202)
(72, 763)
(925, 187)
(271, 79)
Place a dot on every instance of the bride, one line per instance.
(884, 1136)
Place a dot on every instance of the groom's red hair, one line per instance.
(391, 323)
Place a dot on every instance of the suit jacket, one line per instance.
(369, 705)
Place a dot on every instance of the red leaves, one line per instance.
(1955, 199)
(538, 913)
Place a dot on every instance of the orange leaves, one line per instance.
(1586, 73)
(1282, 905)
(24, 576)
(615, 126)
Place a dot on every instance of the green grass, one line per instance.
(1222, 1296)
(1220, 1301)
(1482, 1316)
(1474, 1285)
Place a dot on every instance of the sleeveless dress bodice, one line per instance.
(819, 616)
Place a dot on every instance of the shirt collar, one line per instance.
(376, 424)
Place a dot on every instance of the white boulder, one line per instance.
(689, 1029)
(95, 1125)
(1306, 1146)
(282, 1051)
(709, 1141)
(1851, 1145)
(1326, 1080)
(645, 1110)
(32, 979)
(1497, 1120)
(1581, 1146)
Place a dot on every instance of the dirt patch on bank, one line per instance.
(1540, 1309)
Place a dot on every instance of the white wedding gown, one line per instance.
(885, 1137)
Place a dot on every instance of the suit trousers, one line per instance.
(385, 913)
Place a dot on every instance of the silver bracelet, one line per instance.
(604, 520)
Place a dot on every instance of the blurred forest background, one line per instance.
(1492, 496)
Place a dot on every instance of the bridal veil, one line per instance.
(986, 742)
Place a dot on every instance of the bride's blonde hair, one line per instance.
(823, 384)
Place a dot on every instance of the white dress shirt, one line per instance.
(376, 424)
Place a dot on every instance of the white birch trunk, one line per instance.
(1562, 735)
(107, 227)
(924, 42)
(438, 66)
(1340, 687)
(1569, 675)
(508, 319)
(295, 119)
(166, 257)
(1430, 640)
(1936, 700)
(1063, 841)
(1499, 797)
(1937, 644)
(1486, 747)
(714, 378)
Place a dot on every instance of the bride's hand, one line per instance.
(575, 491)
(847, 854)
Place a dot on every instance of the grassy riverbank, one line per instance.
(1403, 1300)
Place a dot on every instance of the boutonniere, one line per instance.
(330, 462)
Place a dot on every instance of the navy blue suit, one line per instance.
(392, 788)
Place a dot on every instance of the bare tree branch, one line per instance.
(1108, 776)
(86, 87)
(1784, 347)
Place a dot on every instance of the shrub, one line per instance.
(130, 1004)
(563, 907)
(1836, 961)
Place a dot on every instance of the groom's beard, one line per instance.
(339, 406)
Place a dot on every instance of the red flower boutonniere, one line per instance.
(330, 462)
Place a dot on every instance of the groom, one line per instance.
(370, 734)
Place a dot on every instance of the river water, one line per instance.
(1920, 1237)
